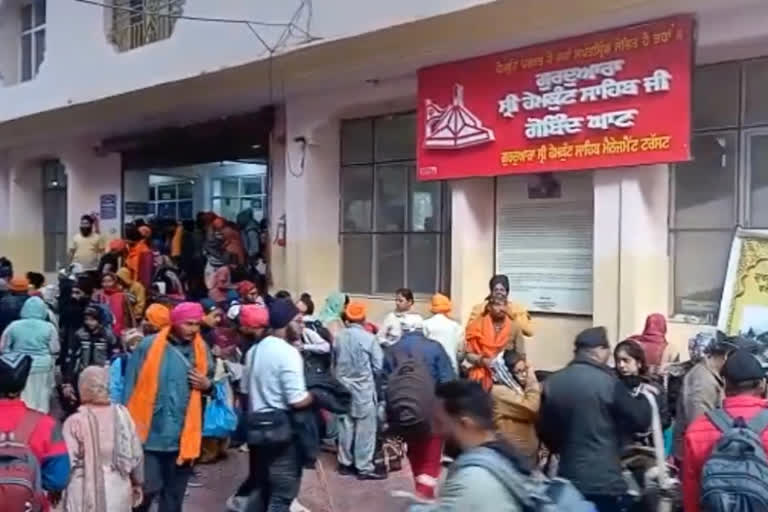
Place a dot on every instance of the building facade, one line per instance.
(307, 114)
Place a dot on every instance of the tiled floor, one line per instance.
(321, 490)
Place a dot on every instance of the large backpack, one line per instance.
(533, 493)
(20, 482)
(410, 393)
(734, 477)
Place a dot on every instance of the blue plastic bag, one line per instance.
(219, 419)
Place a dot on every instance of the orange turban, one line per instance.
(158, 315)
(441, 304)
(355, 311)
(19, 284)
(117, 245)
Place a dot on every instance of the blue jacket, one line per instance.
(172, 392)
(433, 354)
(10, 308)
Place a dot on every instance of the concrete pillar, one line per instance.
(312, 198)
(631, 272)
(473, 243)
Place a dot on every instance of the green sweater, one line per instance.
(172, 391)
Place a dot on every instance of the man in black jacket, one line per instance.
(585, 413)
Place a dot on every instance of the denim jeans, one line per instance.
(165, 481)
(605, 503)
(275, 477)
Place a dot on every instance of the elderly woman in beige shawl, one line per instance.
(106, 454)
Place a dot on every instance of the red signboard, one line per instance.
(609, 99)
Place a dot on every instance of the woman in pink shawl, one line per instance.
(654, 342)
(105, 451)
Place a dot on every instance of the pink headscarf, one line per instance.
(254, 315)
(187, 312)
(94, 385)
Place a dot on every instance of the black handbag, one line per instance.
(269, 427)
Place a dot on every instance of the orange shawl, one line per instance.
(483, 340)
(142, 402)
(133, 260)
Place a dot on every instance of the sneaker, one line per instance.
(298, 507)
(194, 482)
(236, 503)
(346, 470)
(371, 475)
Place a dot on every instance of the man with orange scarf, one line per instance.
(488, 336)
(139, 259)
(165, 379)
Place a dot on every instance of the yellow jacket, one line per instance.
(136, 290)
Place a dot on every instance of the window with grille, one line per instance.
(54, 215)
(137, 23)
(234, 194)
(172, 199)
(724, 186)
(32, 42)
(394, 228)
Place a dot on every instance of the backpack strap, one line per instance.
(759, 423)
(720, 419)
(24, 429)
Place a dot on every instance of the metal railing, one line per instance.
(137, 23)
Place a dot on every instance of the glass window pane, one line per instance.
(758, 167)
(390, 263)
(701, 258)
(357, 141)
(395, 137)
(356, 198)
(423, 263)
(26, 57)
(26, 17)
(251, 202)
(39, 49)
(226, 187)
(253, 186)
(425, 211)
(166, 192)
(226, 207)
(152, 193)
(186, 210)
(39, 12)
(187, 190)
(704, 187)
(356, 261)
(391, 196)
(716, 96)
(756, 99)
(166, 210)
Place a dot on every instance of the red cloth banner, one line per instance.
(609, 99)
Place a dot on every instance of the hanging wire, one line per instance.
(250, 24)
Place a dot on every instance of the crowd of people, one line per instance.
(164, 350)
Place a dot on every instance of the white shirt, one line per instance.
(275, 374)
(448, 333)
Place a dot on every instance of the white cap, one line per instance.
(412, 322)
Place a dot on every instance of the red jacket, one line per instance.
(700, 439)
(46, 443)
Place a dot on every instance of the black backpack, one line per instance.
(410, 394)
(734, 477)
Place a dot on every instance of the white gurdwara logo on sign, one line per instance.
(455, 126)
